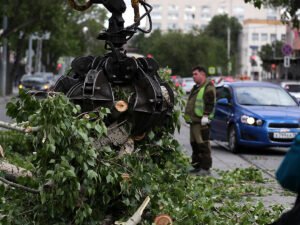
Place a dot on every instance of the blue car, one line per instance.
(255, 114)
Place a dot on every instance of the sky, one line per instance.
(129, 14)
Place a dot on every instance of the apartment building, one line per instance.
(184, 15)
(257, 33)
(259, 26)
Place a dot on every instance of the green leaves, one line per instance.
(82, 185)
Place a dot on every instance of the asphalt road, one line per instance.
(3, 116)
(267, 159)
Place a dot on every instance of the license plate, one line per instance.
(283, 135)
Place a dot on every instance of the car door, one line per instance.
(223, 113)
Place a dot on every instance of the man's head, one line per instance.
(199, 74)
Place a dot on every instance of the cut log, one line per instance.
(139, 137)
(1, 152)
(127, 147)
(137, 216)
(121, 106)
(13, 171)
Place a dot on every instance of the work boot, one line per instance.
(195, 170)
(203, 172)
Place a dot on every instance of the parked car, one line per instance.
(35, 82)
(187, 84)
(293, 87)
(47, 75)
(254, 114)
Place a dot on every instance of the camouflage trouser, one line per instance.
(199, 138)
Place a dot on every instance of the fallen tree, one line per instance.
(75, 181)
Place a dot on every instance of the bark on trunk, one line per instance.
(12, 172)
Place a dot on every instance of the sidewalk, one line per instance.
(5, 99)
(225, 160)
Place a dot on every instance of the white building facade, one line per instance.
(257, 33)
(260, 26)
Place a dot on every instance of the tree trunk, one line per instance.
(12, 172)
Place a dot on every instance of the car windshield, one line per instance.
(263, 96)
(292, 87)
(34, 79)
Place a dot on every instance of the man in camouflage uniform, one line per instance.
(198, 113)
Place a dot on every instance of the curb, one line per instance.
(5, 99)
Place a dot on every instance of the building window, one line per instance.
(172, 26)
(188, 27)
(222, 10)
(273, 37)
(255, 37)
(173, 7)
(283, 37)
(254, 49)
(205, 12)
(156, 15)
(189, 16)
(239, 13)
(271, 14)
(189, 8)
(264, 37)
(173, 15)
(156, 26)
(189, 12)
(156, 7)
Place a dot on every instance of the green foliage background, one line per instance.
(182, 51)
(56, 17)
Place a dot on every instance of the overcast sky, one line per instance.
(129, 14)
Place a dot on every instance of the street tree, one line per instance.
(218, 28)
(269, 53)
(64, 25)
(291, 7)
(182, 51)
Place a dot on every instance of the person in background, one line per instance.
(198, 113)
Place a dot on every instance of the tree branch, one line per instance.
(137, 216)
(19, 186)
(18, 128)
(15, 29)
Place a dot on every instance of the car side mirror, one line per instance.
(223, 101)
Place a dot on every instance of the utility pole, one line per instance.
(228, 49)
(229, 65)
(38, 55)
(29, 55)
(4, 58)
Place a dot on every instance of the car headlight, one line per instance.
(46, 87)
(20, 86)
(251, 120)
